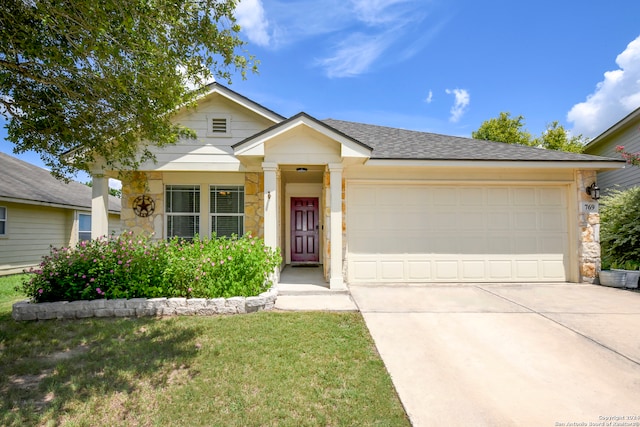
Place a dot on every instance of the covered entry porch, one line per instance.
(302, 161)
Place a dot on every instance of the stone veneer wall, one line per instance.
(589, 223)
(141, 307)
(135, 184)
(254, 203)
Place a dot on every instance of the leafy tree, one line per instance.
(104, 78)
(556, 137)
(504, 128)
(511, 130)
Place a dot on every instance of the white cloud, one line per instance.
(460, 104)
(615, 97)
(429, 97)
(354, 55)
(251, 17)
(375, 12)
(335, 23)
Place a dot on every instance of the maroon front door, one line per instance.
(304, 229)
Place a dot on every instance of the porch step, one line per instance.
(291, 291)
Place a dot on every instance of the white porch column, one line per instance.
(99, 206)
(270, 204)
(336, 280)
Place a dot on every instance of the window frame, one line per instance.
(196, 213)
(4, 221)
(80, 231)
(213, 188)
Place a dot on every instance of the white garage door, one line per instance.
(427, 233)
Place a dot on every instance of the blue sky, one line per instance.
(444, 66)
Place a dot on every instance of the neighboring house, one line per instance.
(370, 203)
(625, 133)
(37, 211)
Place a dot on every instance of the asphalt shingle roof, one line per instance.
(392, 143)
(22, 180)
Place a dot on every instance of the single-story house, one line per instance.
(626, 133)
(37, 211)
(369, 203)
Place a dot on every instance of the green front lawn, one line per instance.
(263, 369)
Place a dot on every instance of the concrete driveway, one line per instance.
(509, 355)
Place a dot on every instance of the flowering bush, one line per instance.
(631, 158)
(129, 266)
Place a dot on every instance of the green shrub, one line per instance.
(129, 266)
(620, 227)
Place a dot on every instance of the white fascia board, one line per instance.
(497, 164)
(259, 111)
(353, 149)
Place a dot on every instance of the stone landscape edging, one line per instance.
(143, 307)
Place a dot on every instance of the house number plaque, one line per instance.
(589, 207)
(144, 206)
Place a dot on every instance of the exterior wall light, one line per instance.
(594, 191)
(301, 170)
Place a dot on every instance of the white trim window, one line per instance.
(227, 210)
(182, 208)
(84, 227)
(3, 221)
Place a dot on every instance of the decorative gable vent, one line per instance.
(219, 125)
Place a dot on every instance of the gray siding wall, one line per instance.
(30, 231)
(622, 178)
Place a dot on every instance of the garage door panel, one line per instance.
(498, 196)
(419, 270)
(456, 233)
(552, 221)
(524, 196)
(392, 270)
(551, 197)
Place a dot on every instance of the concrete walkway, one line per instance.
(509, 355)
(304, 289)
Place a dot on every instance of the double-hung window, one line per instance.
(227, 210)
(182, 208)
(3, 221)
(84, 227)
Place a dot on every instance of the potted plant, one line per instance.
(611, 275)
(631, 268)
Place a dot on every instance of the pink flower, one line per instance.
(84, 276)
(40, 291)
(98, 290)
(189, 290)
(120, 262)
(92, 280)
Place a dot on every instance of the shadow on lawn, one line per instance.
(49, 367)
